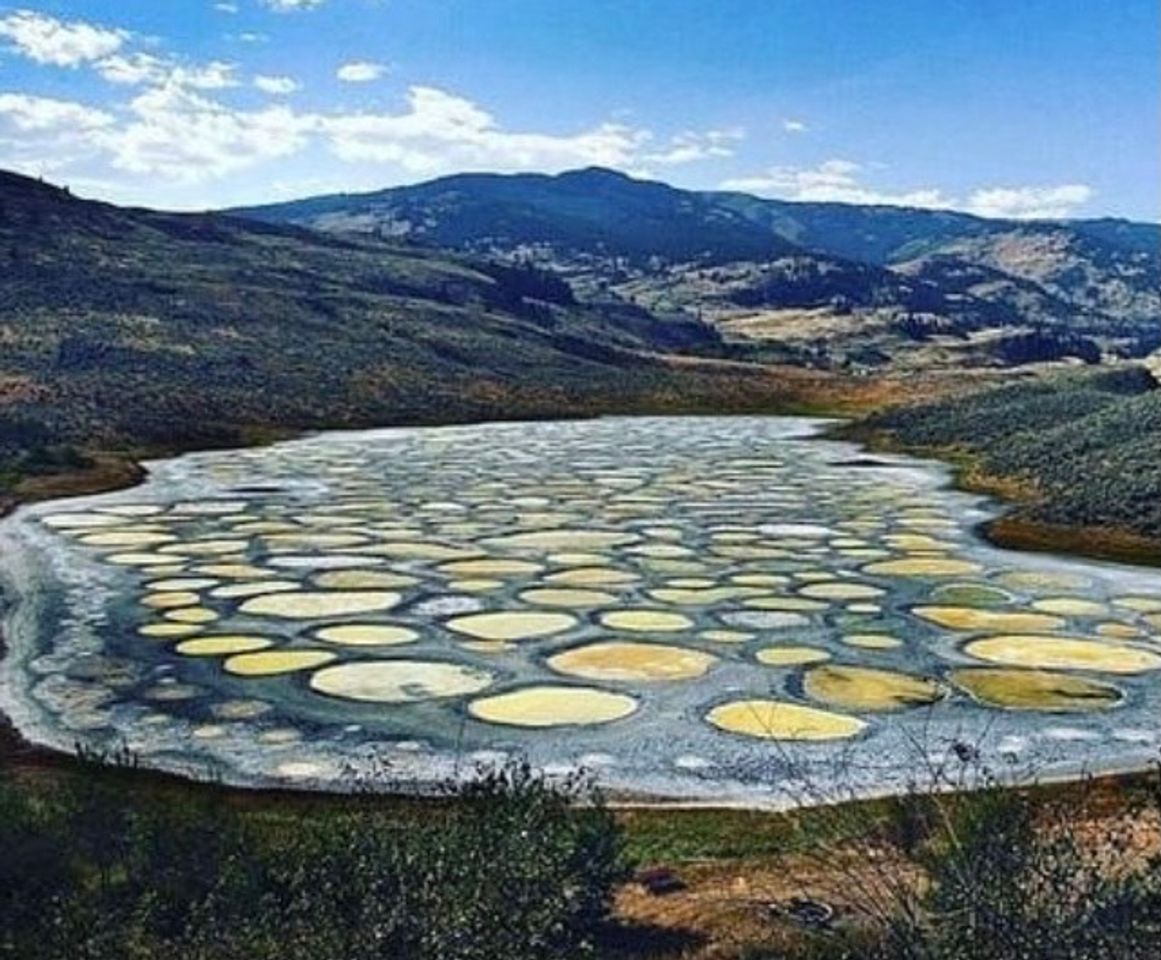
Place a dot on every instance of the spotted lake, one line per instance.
(707, 609)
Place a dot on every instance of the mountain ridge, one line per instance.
(876, 282)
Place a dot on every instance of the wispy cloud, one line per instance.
(290, 6)
(360, 71)
(48, 40)
(794, 126)
(842, 181)
(440, 131)
(691, 146)
(280, 86)
(143, 68)
(1030, 203)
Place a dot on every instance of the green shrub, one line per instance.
(509, 865)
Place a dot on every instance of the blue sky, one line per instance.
(1013, 108)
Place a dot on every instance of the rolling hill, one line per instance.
(834, 283)
(133, 327)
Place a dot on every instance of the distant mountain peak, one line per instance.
(598, 175)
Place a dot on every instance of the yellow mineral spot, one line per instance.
(161, 631)
(617, 660)
(512, 625)
(789, 604)
(646, 621)
(172, 584)
(872, 641)
(554, 597)
(790, 656)
(80, 521)
(750, 552)
(132, 509)
(578, 559)
(1043, 580)
(662, 550)
(864, 608)
(190, 615)
(407, 550)
(778, 720)
(254, 588)
(564, 539)
(1035, 690)
(1118, 631)
(760, 579)
(549, 705)
(814, 576)
(138, 559)
(922, 567)
(315, 605)
(367, 634)
(399, 681)
(222, 646)
(318, 541)
(726, 636)
(127, 538)
(263, 526)
(1071, 607)
(916, 541)
(702, 597)
(592, 577)
(675, 567)
(841, 590)
(269, 663)
(200, 548)
(974, 618)
(480, 585)
(489, 568)
(165, 601)
(362, 580)
(1139, 604)
(1063, 653)
(490, 647)
(865, 689)
(232, 571)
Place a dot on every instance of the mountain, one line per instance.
(844, 283)
(125, 326)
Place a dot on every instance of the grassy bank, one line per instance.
(1078, 453)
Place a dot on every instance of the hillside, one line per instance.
(132, 327)
(831, 284)
(1081, 450)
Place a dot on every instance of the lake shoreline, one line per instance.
(111, 472)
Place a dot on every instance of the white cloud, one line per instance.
(138, 68)
(289, 6)
(440, 131)
(63, 44)
(360, 71)
(835, 181)
(41, 134)
(27, 113)
(226, 7)
(185, 136)
(690, 146)
(794, 126)
(276, 85)
(1030, 203)
(840, 181)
